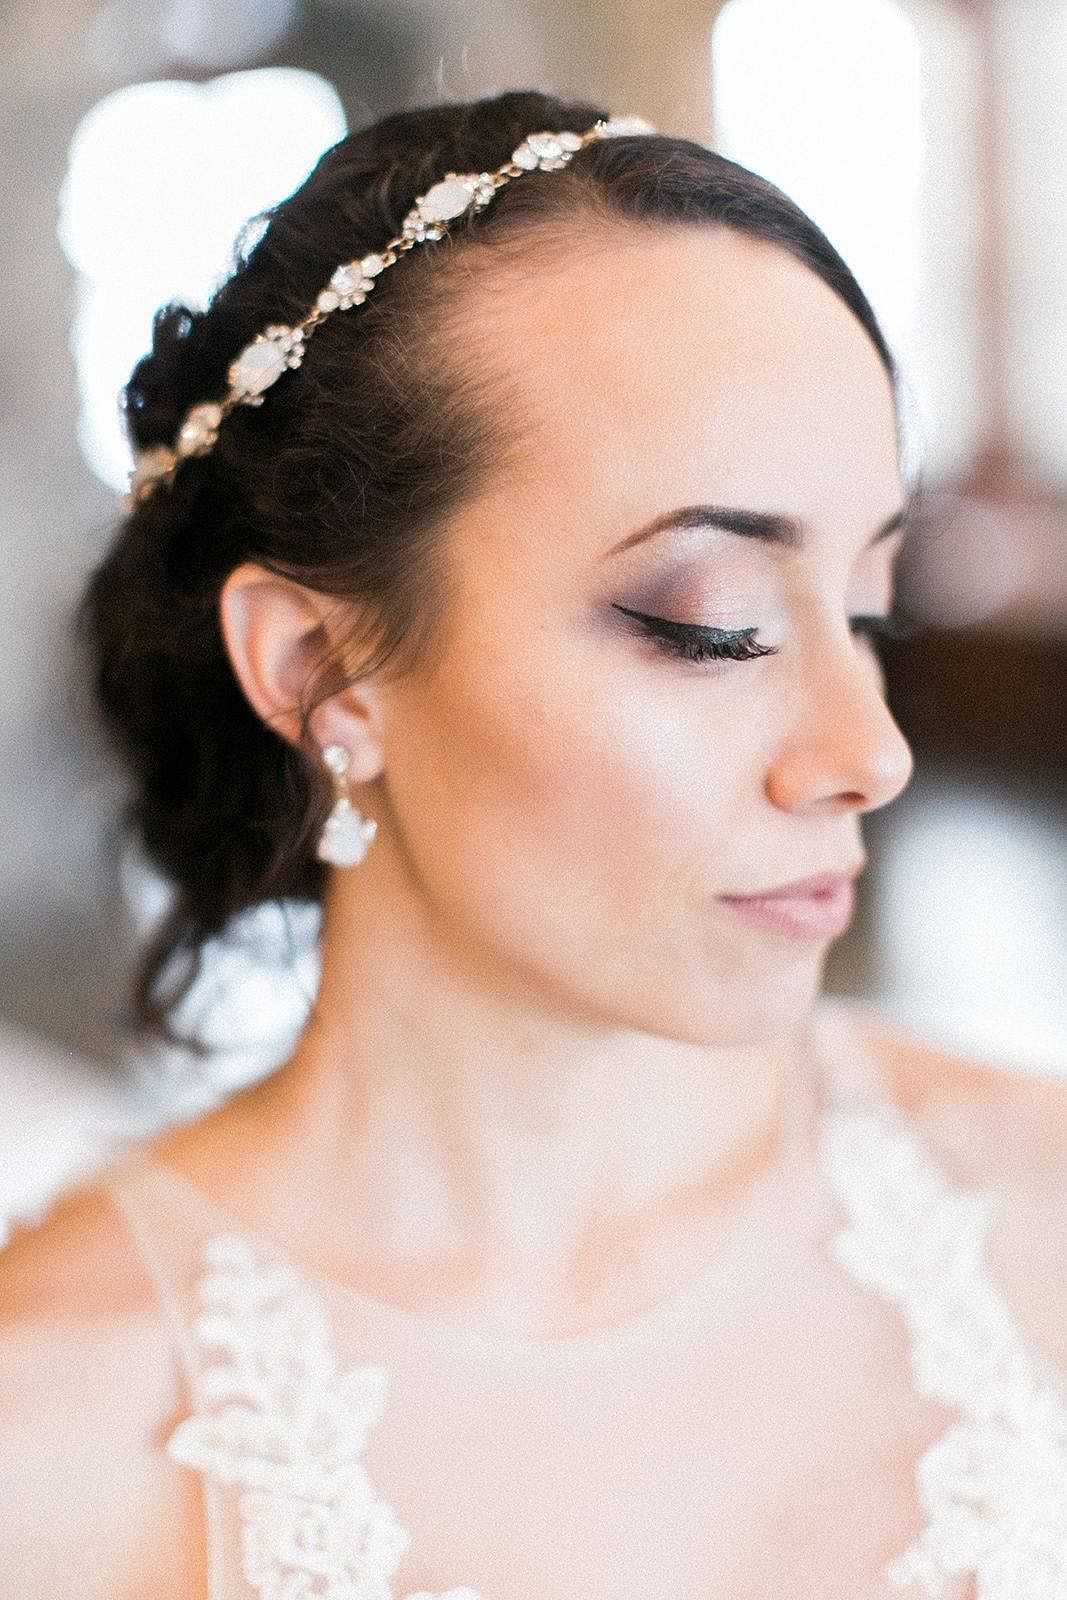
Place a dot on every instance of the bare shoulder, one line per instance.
(87, 1384)
(1008, 1122)
(49, 1268)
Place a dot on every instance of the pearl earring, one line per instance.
(346, 833)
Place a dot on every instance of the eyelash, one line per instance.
(692, 642)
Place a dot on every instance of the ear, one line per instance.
(276, 634)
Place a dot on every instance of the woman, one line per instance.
(525, 616)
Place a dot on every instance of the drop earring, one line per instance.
(346, 833)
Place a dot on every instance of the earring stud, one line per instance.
(346, 833)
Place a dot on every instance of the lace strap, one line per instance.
(280, 1418)
(275, 1427)
(993, 1485)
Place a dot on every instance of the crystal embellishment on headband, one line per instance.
(279, 348)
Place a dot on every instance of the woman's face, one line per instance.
(574, 798)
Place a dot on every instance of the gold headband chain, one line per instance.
(279, 348)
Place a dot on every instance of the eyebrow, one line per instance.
(771, 526)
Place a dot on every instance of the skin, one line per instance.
(537, 1026)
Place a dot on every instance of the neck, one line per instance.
(439, 1112)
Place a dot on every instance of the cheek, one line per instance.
(614, 794)
(579, 830)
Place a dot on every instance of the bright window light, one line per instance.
(824, 100)
(160, 179)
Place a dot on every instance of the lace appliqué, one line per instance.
(277, 1417)
(994, 1486)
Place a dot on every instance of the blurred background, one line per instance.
(927, 137)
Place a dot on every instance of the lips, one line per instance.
(819, 883)
(817, 907)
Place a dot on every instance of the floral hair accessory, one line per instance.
(279, 348)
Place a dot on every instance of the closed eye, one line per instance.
(693, 642)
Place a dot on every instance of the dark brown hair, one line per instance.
(343, 479)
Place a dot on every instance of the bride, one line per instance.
(514, 588)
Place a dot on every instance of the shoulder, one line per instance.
(49, 1266)
(87, 1381)
(1004, 1121)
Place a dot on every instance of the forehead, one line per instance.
(646, 368)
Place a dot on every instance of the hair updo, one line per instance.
(342, 479)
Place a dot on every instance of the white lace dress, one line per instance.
(279, 1423)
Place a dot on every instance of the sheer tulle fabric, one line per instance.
(294, 1387)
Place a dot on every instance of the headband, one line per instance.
(280, 347)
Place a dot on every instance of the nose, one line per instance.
(842, 751)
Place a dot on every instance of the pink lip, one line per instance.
(811, 908)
